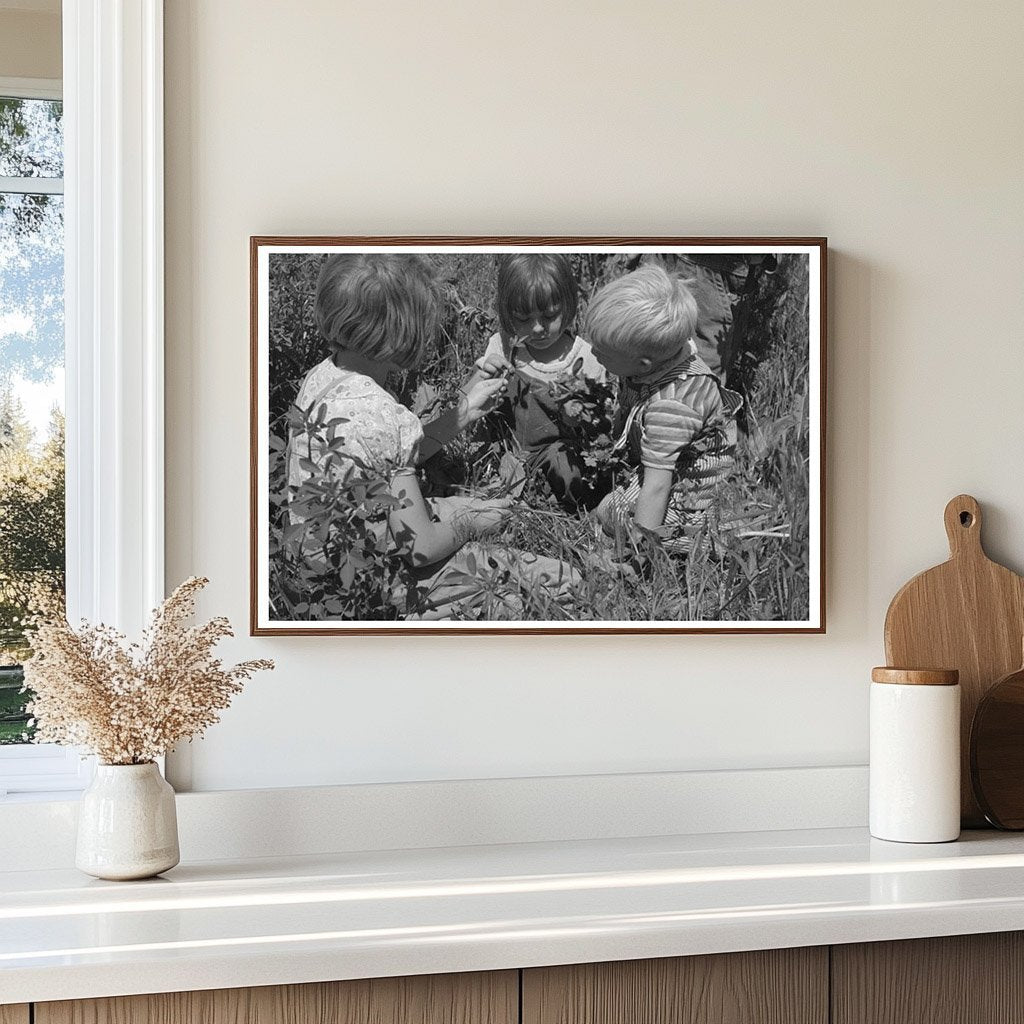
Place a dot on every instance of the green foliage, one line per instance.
(32, 503)
(14, 727)
(31, 546)
(30, 146)
(31, 138)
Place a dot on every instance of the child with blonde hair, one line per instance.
(536, 305)
(673, 416)
(379, 313)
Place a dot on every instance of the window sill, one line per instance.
(39, 830)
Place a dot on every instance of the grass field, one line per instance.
(12, 717)
(748, 563)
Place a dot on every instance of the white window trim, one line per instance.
(32, 186)
(32, 88)
(42, 768)
(113, 168)
(114, 323)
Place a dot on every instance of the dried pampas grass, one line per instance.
(130, 703)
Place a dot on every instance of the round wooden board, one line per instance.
(997, 752)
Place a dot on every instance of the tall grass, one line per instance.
(748, 562)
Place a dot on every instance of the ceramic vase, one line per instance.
(127, 825)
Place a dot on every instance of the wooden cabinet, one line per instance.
(968, 979)
(962, 979)
(777, 986)
(491, 998)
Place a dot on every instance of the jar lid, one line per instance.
(916, 676)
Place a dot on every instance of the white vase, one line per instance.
(127, 825)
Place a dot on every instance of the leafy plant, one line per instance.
(332, 552)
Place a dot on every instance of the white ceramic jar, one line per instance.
(127, 823)
(915, 755)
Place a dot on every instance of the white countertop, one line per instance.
(224, 924)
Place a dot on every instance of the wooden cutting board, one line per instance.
(967, 614)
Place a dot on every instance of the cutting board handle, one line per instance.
(963, 526)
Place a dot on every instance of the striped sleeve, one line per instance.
(670, 424)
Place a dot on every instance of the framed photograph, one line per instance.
(537, 435)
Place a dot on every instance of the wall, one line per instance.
(30, 42)
(892, 128)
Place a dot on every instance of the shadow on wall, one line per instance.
(853, 286)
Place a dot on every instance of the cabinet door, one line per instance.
(14, 1014)
(962, 979)
(491, 998)
(778, 986)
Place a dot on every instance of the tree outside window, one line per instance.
(32, 529)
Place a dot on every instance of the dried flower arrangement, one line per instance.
(129, 704)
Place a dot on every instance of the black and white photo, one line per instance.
(547, 435)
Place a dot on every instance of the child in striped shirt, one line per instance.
(676, 420)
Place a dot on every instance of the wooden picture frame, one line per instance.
(761, 305)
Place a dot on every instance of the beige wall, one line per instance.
(29, 44)
(894, 129)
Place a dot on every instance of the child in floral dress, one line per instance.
(379, 313)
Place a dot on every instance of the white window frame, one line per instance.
(114, 346)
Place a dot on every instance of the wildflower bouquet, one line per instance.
(130, 703)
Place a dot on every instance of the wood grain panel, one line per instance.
(962, 979)
(482, 998)
(778, 986)
(14, 1014)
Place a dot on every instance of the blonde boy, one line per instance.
(674, 417)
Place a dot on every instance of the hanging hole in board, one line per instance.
(966, 519)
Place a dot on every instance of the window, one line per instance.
(32, 401)
(32, 514)
(113, 333)
(31, 381)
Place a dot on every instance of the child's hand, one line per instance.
(492, 365)
(452, 506)
(472, 517)
(488, 366)
(480, 398)
(489, 515)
